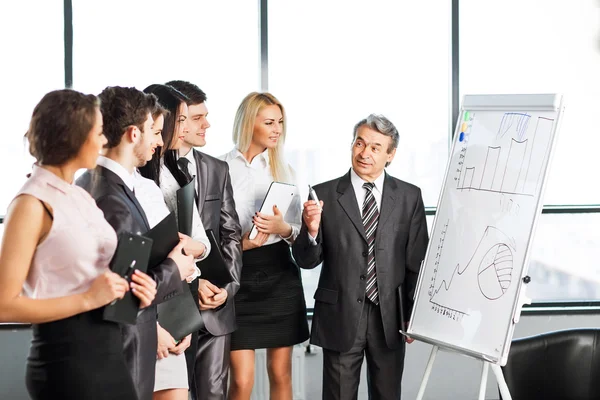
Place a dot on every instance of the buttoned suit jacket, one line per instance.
(216, 207)
(400, 245)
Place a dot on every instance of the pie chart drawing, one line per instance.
(495, 271)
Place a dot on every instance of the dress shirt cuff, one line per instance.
(193, 276)
(204, 253)
(312, 240)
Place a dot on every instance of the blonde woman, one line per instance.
(270, 306)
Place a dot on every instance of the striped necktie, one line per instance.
(370, 217)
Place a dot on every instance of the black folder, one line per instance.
(179, 315)
(185, 207)
(213, 267)
(133, 252)
(165, 236)
(402, 308)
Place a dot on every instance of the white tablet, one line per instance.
(280, 194)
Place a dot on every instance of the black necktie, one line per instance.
(370, 217)
(184, 166)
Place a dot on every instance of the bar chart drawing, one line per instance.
(516, 123)
(514, 164)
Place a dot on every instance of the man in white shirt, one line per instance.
(127, 122)
(208, 356)
(370, 235)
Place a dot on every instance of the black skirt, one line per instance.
(270, 306)
(80, 357)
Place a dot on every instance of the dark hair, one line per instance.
(121, 108)
(158, 111)
(170, 99)
(191, 91)
(60, 125)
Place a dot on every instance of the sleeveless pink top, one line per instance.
(80, 243)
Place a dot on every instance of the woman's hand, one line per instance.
(182, 345)
(272, 224)
(105, 289)
(165, 342)
(259, 240)
(143, 287)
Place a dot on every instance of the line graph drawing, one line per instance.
(493, 258)
(517, 121)
(514, 165)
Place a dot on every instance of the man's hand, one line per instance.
(165, 342)
(185, 263)
(312, 217)
(182, 345)
(143, 287)
(210, 296)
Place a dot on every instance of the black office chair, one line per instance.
(557, 365)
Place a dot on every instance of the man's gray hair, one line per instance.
(382, 125)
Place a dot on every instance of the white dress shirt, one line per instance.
(169, 187)
(250, 182)
(118, 169)
(360, 192)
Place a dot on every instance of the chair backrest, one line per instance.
(561, 365)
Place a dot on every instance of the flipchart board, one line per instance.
(469, 296)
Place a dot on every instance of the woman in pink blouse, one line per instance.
(54, 260)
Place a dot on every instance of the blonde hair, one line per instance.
(243, 130)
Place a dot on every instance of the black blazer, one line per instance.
(125, 214)
(217, 210)
(400, 246)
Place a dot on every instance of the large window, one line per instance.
(330, 72)
(542, 46)
(213, 44)
(549, 46)
(31, 44)
(331, 64)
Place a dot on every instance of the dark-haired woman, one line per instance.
(171, 371)
(54, 260)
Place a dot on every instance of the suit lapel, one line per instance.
(114, 178)
(348, 203)
(202, 178)
(388, 202)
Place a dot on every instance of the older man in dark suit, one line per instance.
(370, 234)
(208, 356)
(127, 127)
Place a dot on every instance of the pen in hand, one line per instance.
(313, 195)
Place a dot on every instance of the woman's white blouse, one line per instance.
(169, 187)
(250, 182)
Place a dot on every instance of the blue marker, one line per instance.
(461, 137)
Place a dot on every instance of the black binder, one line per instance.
(213, 267)
(165, 236)
(185, 207)
(179, 315)
(402, 308)
(133, 252)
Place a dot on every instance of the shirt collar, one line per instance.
(357, 181)
(264, 156)
(118, 169)
(51, 178)
(190, 156)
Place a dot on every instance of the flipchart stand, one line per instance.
(523, 299)
(484, 374)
